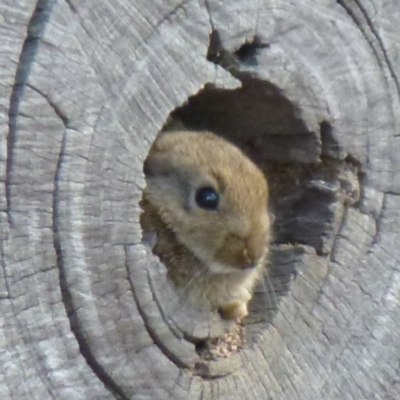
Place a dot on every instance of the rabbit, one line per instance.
(207, 203)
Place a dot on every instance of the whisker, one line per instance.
(183, 292)
(270, 290)
(269, 298)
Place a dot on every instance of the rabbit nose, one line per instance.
(254, 250)
(249, 263)
(249, 260)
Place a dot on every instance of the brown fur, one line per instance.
(207, 252)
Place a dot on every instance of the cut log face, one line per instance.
(311, 94)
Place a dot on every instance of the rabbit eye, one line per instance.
(207, 198)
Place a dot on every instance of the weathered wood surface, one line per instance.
(85, 87)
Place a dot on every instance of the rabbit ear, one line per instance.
(158, 163)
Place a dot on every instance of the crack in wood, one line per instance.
(57, 110)
(231, 61)
(157, 341)
(248, 51)
(165, 18)
(207, 7)
(381, 46)
(71, 6)
(375, 34)
(35, 30)
(378, 224)
(173, 328)
(4, 267)
(67, 298)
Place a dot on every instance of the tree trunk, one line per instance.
(310, 90)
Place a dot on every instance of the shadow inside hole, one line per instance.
(257, 118)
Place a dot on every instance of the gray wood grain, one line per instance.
(86, 309)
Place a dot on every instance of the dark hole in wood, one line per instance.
(309, 182)
(247, 53)
(311, 178)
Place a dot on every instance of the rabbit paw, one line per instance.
(233, 311)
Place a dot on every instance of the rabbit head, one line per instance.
(212, 197)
